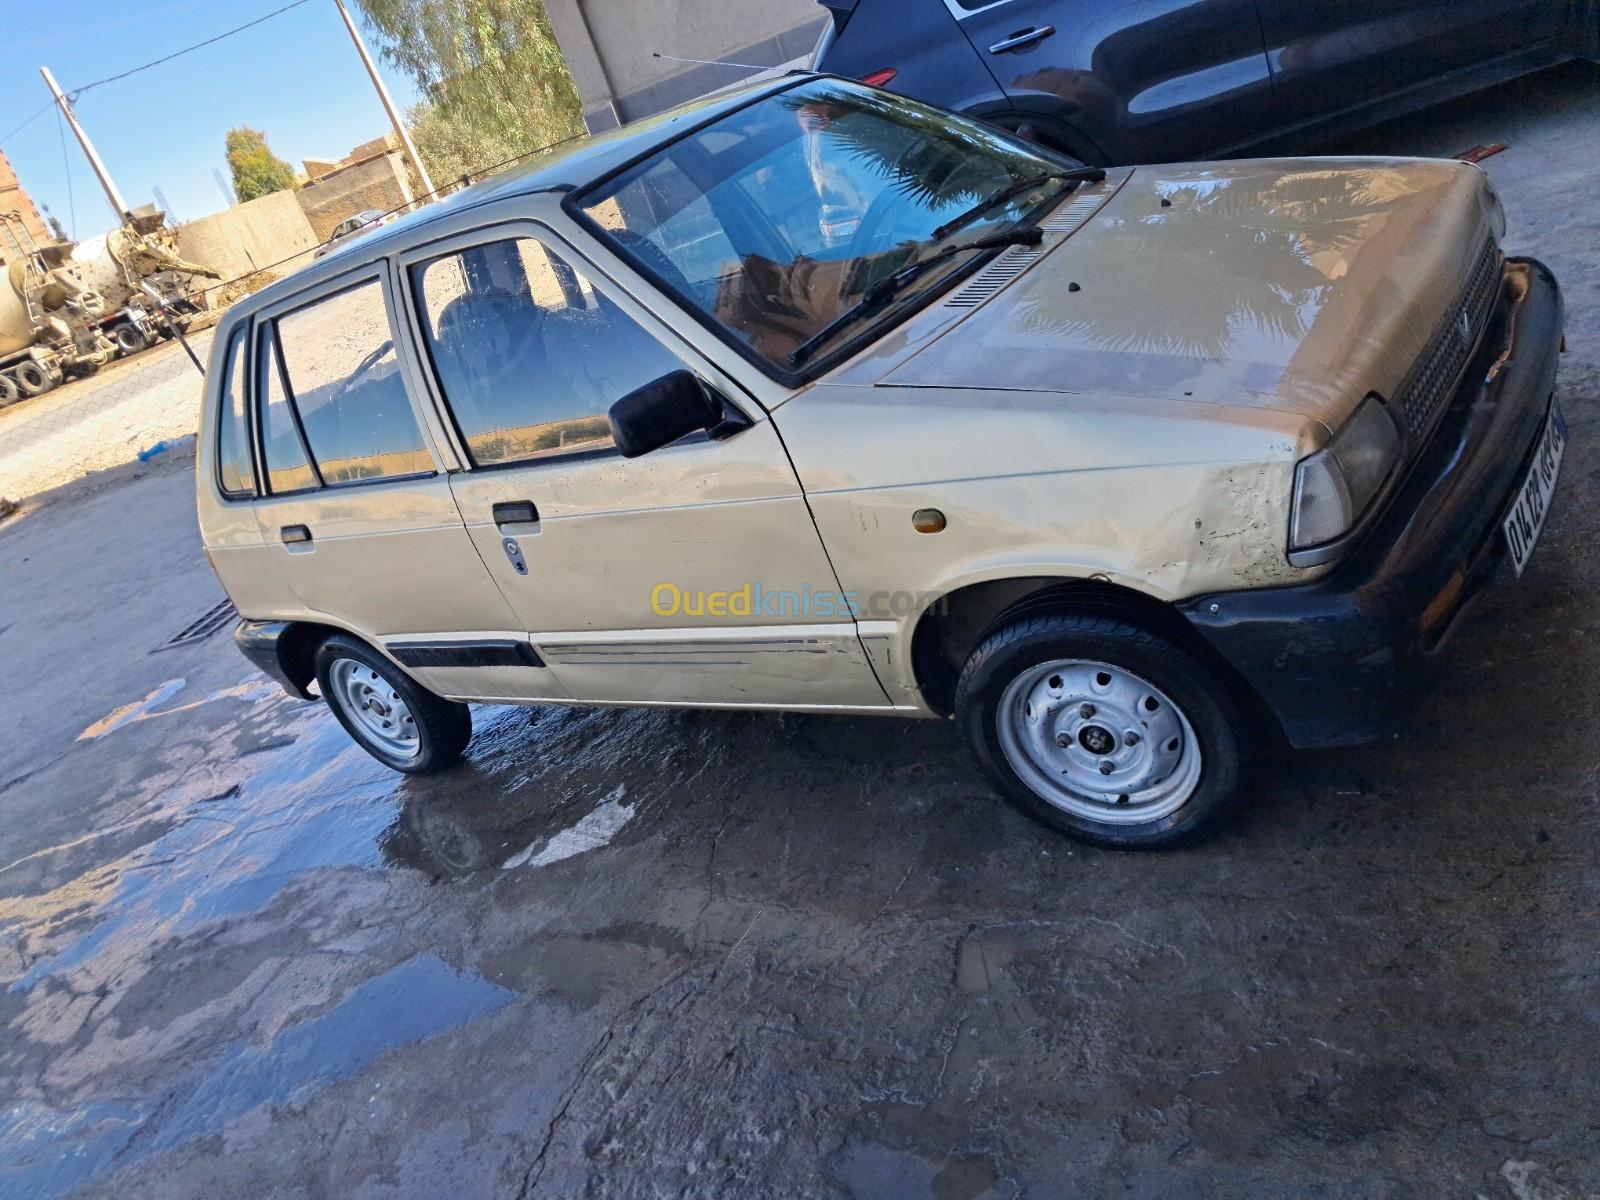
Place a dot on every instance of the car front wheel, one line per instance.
(393, 718)
(1102, 729)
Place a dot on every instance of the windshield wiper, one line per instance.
(996, 198)
(879, 294)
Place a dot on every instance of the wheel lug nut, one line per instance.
(1106, 768)
(1131, 739)
(1086, 711)
(1063, 740)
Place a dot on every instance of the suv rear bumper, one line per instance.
(1330, 658)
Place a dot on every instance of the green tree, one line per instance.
(496, 82)
(256, 169)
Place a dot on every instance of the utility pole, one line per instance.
(117, 204)
(388, 104)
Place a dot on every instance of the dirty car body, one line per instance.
(809, 397)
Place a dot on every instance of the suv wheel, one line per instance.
(1102, 729)
(396, 720)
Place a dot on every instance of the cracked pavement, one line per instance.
(796, 955)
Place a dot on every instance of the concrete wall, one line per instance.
(378, 183)
(609, 44)
(249, 236)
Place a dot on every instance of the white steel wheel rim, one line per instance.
(1099, 742)
(375, 708)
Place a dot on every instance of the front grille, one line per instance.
(1452, 344)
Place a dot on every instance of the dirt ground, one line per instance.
(650, 953)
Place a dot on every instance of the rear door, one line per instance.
(1150, 80)
(692, 575)
(357, 510)
(1337, 54)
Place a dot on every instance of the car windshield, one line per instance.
(777, 218)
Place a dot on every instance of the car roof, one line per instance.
(561, 169)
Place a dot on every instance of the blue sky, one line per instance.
(296, 76)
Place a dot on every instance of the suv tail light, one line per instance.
(879, 78)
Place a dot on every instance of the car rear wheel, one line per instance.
(8, 391)
(1102, 729)
(393, 718)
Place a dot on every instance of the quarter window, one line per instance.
(236, 474)
(288, 470)
(529, 355)
(344, 381)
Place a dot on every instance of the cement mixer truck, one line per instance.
(117, 267)
(49, 324)
(67, 309)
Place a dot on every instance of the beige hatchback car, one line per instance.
(810, 397)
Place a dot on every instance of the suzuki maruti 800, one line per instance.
(809, 397)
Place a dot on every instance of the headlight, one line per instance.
(1335, 486)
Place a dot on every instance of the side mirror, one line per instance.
(666, 409)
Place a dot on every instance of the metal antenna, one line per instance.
(712, 62)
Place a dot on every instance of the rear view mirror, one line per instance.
(666, 409)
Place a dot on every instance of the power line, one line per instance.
(44, 108)
(76, 92)
(66, 169)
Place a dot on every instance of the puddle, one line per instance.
(270, 799)
(595, 830)
(49, 1152)
(136, 711)
(253, 688)
(307, 807)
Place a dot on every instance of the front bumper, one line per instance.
(1330, 658)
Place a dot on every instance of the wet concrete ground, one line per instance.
(697, 954)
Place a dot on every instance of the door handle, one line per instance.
(1023, 37)
(515, 512)
(293, 534)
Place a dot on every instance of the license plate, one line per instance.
(1526, 519)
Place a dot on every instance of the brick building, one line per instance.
(14, 199)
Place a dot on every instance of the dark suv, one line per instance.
(1131, 81)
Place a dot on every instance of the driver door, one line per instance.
(693, 575)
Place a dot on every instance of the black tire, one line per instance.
(1011, 650)
(130, 339)
(443, 727)
(9, 394)
(32, 379)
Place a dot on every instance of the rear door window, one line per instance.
(236, 473)
(529, 355)
(343, 379)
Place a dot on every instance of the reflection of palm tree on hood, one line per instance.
(1251, 260)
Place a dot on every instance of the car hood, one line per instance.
(1298, 285)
